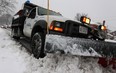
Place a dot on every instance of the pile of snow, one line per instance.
(15, 59)
(108, 40)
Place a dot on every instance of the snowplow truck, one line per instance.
(60, 34)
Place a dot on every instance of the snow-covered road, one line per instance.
(15, 59)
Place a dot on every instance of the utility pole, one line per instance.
(48, 8)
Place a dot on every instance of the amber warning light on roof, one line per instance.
(103, 28)
(85, 20)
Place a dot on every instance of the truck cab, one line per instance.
(38, 15)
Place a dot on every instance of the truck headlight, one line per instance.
(57, 26)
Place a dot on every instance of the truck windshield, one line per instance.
(43, 11)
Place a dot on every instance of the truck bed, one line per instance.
(18, 22)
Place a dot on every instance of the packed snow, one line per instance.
(14, 58)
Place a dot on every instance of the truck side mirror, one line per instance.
(32, 15)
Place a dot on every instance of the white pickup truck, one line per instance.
(32, 23)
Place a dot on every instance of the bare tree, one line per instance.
(5, 19)
(78, 16)
(6, 6)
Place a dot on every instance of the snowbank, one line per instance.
(15, 59)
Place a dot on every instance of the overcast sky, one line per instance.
(97, 10)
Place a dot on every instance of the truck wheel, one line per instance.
(37, 45)
(12, 35)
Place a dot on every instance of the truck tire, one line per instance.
(12, 35)
(37, 45)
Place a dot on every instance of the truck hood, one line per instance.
(54, 18)
(58, 18)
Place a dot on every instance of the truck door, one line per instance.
(29, 22)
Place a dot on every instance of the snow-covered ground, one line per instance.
(15, 59)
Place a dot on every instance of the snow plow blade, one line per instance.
(79, 46)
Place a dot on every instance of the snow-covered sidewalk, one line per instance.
(15, 59)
